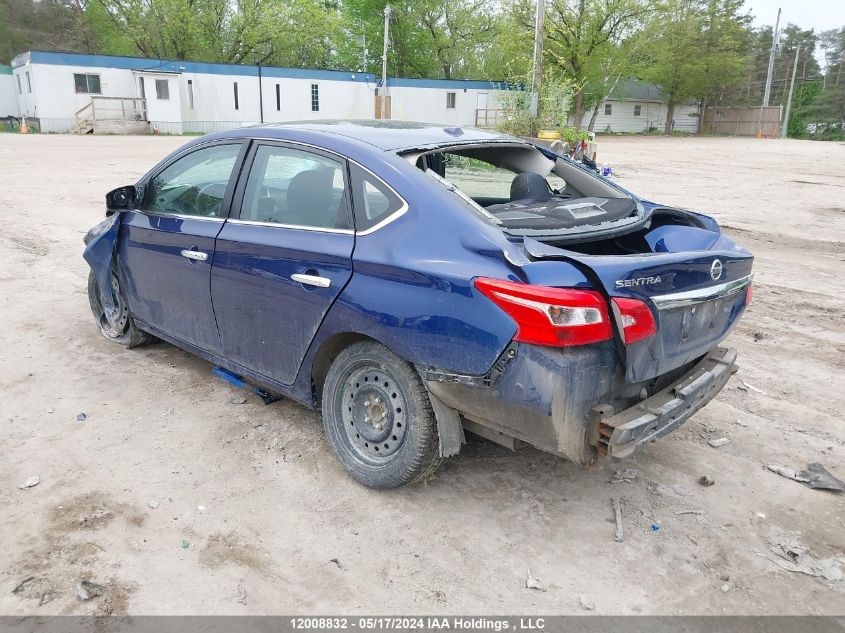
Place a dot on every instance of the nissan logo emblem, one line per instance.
(716, 269)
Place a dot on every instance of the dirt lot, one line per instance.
(254, 515)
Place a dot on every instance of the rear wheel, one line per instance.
(124, 330)
(378, 417)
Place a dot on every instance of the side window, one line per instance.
(195, 184)
(373, 200)
(294, 187)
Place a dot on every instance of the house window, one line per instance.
(162, 90)
(315, 98)
(28, 82)
(638, 110)
(450, 100)
(191, 94)
(87, 84)
(278, 97)
(608, 109)
(237, 105)
(20, 90)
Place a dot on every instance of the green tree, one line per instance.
(698, 50)
(581, 37)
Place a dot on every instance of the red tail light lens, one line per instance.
(558, 317)
(748, 295)
(637, 319)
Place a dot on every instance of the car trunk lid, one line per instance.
(695, 296)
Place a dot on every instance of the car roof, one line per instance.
(386, 135)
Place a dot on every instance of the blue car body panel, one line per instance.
(267, 320)
(409, 286)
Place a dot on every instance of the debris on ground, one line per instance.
(184, 543)
(680, 512)
(617, 511)
(81, 417)
(785, 471)
(628, 475)
(586, 603)
(50, 410)
(818, 477)
(242, 592)
(719, 442)
(747, 387)
(85, 590)
(31, 482)
(534, 583)
(815, 476)
(705, 481)
(94, 516)
(336, 562)
(654, 527)
(794, 556)
(237, 400)
(153, 504)
(200, 508)
(22, 584)
(725, 588)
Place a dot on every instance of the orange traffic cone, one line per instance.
(24, 128)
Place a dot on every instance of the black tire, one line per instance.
(126, 333)
(378, 417)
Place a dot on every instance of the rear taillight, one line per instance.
(748, 294)
(637, 319)
(558, 317)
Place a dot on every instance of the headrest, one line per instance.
(530, 186)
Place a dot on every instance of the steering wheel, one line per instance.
(209, 199)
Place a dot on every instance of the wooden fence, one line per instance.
(757, 121)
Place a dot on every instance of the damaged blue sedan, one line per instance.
(412, 281)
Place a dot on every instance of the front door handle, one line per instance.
(197, 255)
(312, 280)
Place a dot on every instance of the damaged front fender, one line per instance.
(100, 244)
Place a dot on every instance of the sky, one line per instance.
(821, 15)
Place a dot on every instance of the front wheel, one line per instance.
(124, 331)
(378, 417)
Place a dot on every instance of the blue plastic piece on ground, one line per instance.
(238, 381)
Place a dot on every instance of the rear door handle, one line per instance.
(312, 280)
(197, 255)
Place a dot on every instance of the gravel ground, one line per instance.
(175, 500)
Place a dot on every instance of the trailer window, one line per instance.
(87, 84)
(315, 98)
(162, 90)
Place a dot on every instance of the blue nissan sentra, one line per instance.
(413, 282)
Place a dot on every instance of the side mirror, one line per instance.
(120, 199)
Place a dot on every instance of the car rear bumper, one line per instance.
(624, 433)
(575, 401)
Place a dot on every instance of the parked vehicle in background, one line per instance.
(412, 281)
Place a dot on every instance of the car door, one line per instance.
(167, 245)
(283, 257)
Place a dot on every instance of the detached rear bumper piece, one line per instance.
(621, 434)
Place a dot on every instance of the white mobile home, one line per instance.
(8, 101)
(60, 91)
(636, 106)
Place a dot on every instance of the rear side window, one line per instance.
(374, 201)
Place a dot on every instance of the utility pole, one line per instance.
(789, 98)
(537, 71)
(384, 63)
(771, 62)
